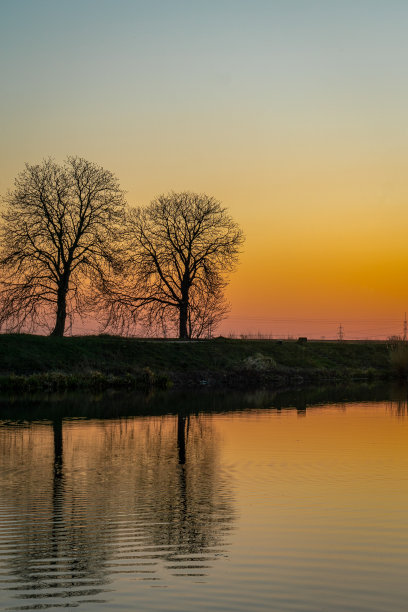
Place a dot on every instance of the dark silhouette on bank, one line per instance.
(37, 362)
(57, 238)
(179, 250)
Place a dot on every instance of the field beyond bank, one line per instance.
(33, 362)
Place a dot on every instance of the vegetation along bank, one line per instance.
(29, 362)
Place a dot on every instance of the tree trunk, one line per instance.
(183, 307)
(183, 333)
(61, 310)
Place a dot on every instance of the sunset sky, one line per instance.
(294, 114)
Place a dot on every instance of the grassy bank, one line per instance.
(37, 362)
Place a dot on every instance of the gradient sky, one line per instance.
(293, 113)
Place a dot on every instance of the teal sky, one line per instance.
(101, 77)
(293, 113)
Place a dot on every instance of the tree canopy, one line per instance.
(179, 251)
(57, 236)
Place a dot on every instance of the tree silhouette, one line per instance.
(179, 250)
(57, 231)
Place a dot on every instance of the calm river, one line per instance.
(260, 501)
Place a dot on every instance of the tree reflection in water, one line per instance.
(86, 500)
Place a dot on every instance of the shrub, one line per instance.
(394, 341)
(399, 359)
(259, 362)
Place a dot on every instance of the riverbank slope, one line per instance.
(31, 361)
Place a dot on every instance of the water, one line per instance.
(290, 501)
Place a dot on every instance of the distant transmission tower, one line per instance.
(340, 333)
(405, 329)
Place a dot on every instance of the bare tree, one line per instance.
(179, 251)
(57, 235)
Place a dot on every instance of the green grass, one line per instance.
(63, 381)
(73, 360)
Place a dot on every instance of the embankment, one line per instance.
(29, 362)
